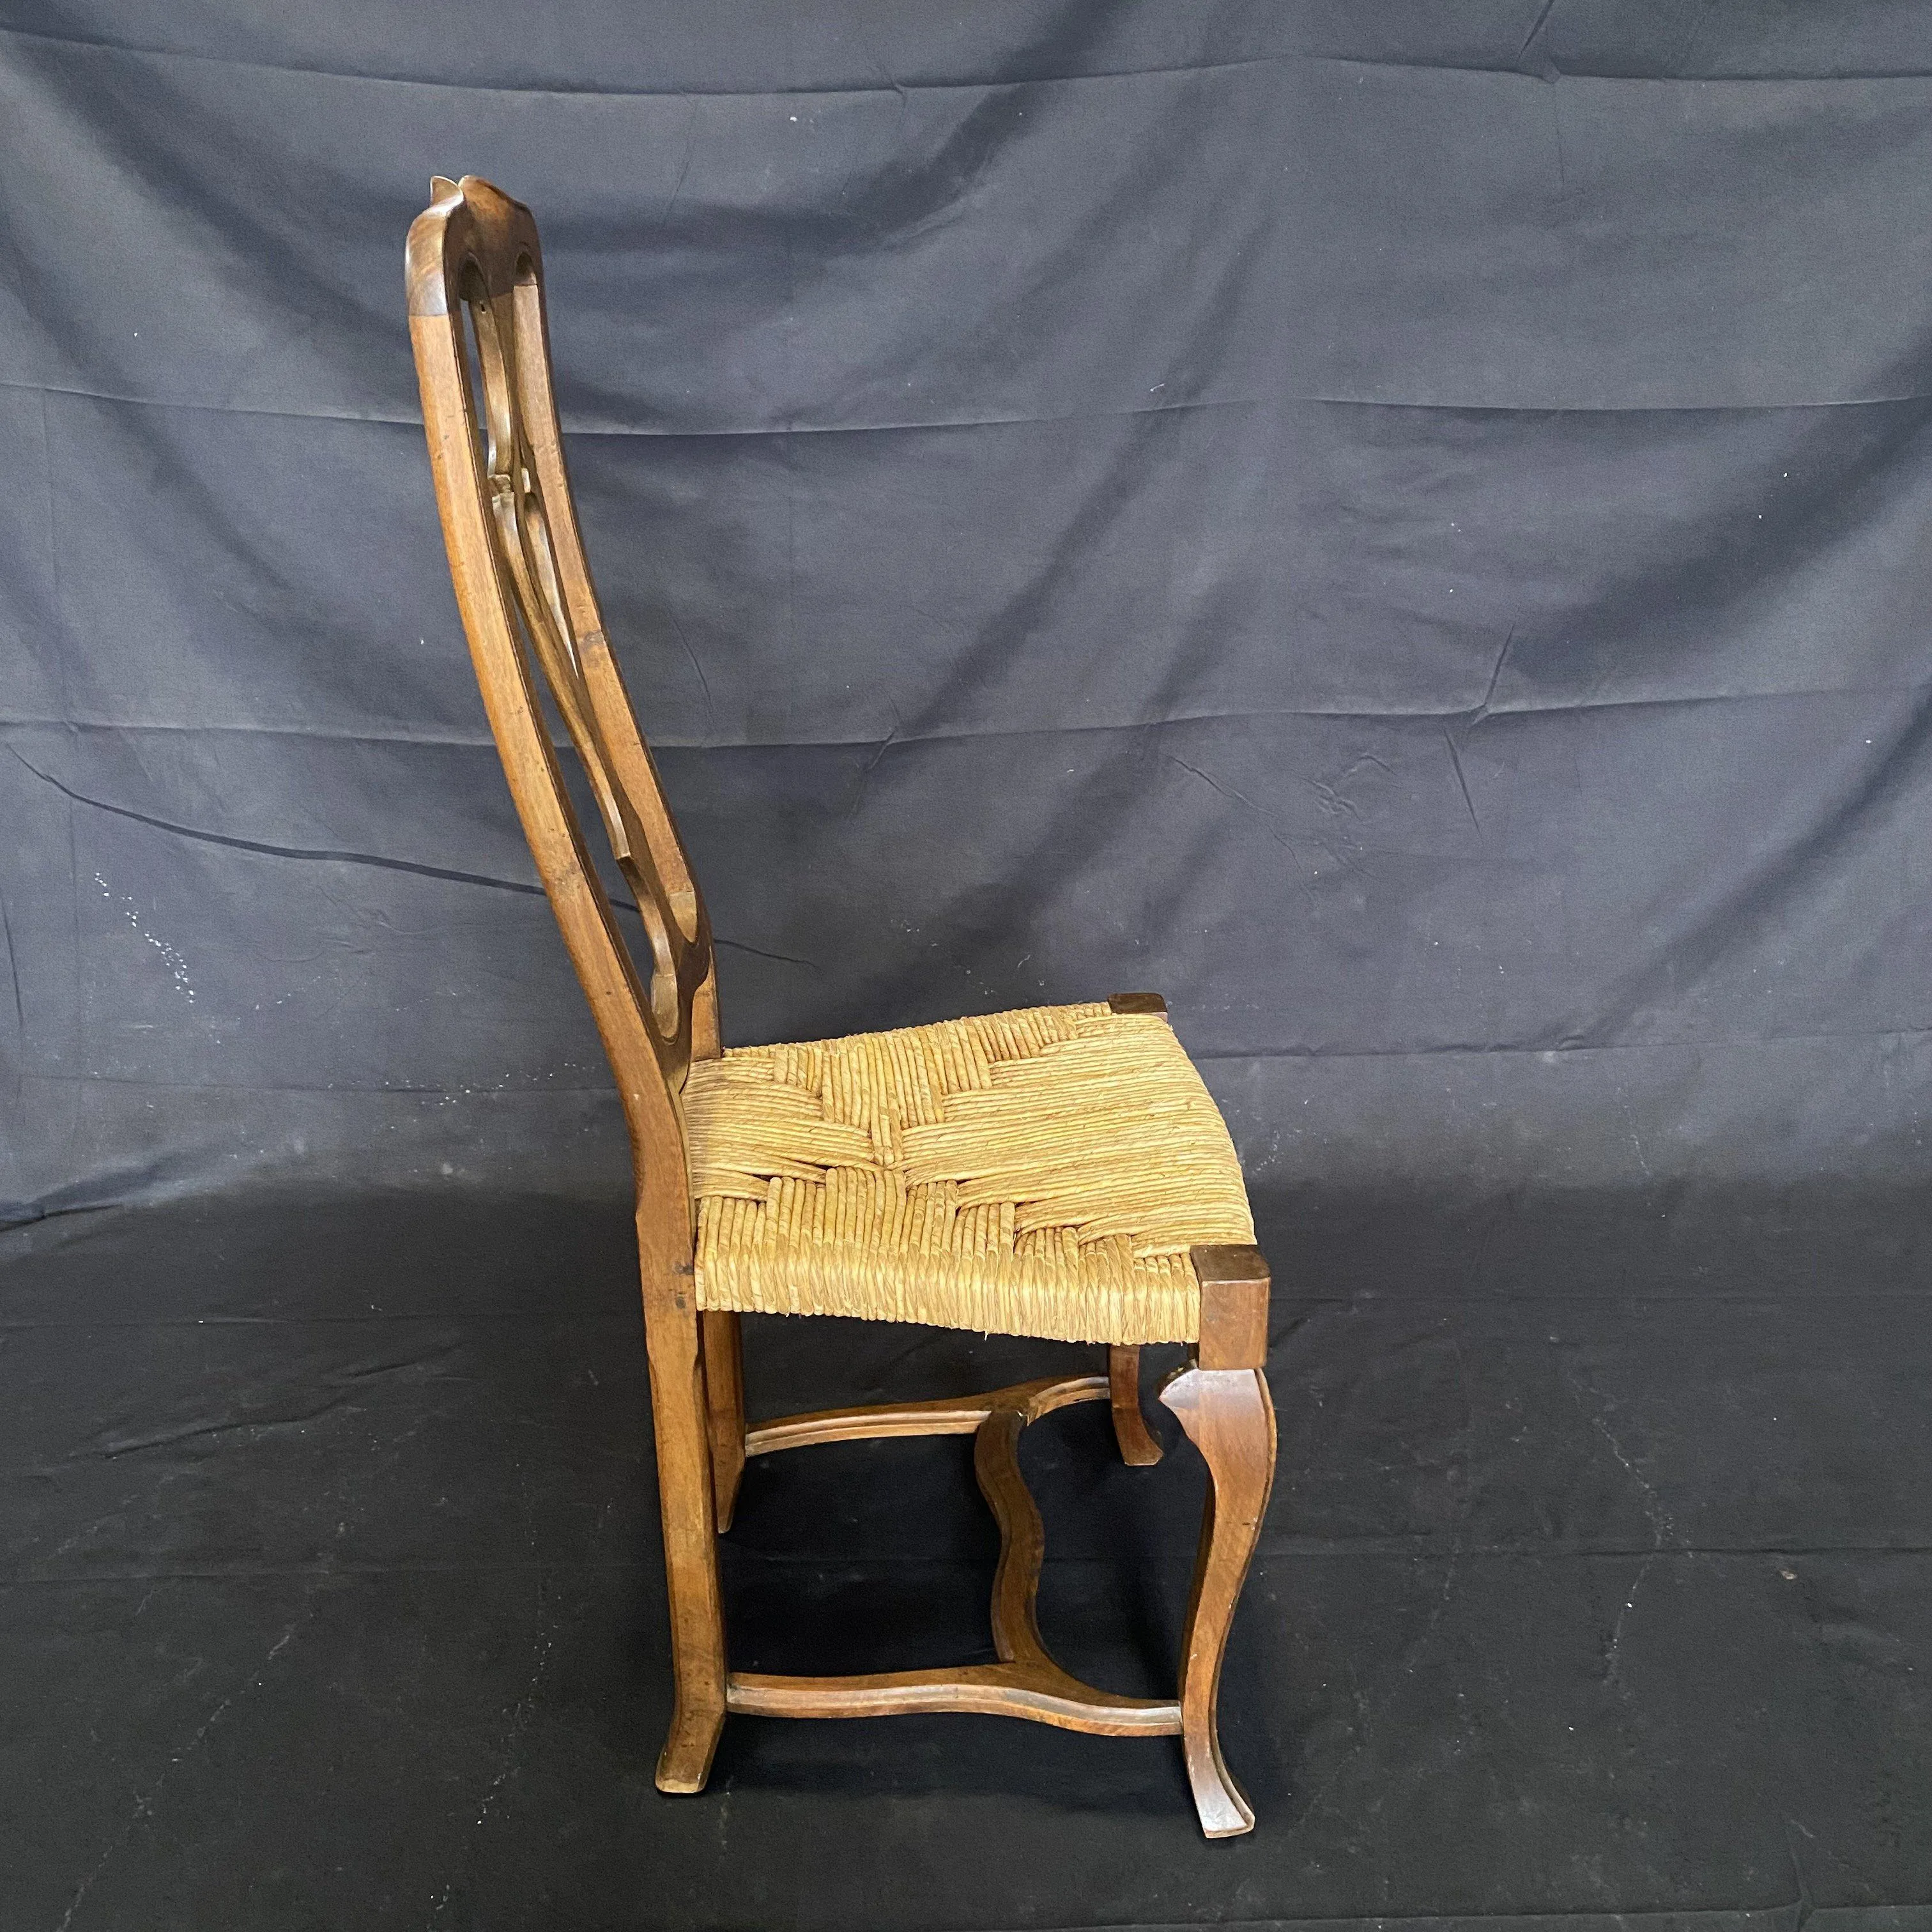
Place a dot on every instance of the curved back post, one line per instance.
(529, 609)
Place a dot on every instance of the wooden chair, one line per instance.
(1059, 1172)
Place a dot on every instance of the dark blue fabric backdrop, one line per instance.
(1402, 528)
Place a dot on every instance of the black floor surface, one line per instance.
(1598, 1586)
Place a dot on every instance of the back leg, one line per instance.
(1137, 1441)
(678, 1422)
(724, 1408)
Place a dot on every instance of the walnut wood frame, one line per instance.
(530, 611)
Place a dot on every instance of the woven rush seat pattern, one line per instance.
(1041, 1172)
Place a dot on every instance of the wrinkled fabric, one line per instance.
(1403, 533)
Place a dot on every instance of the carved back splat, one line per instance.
(482, 350)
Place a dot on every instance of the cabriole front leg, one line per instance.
(1222, 1399)
(1228, 1416)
